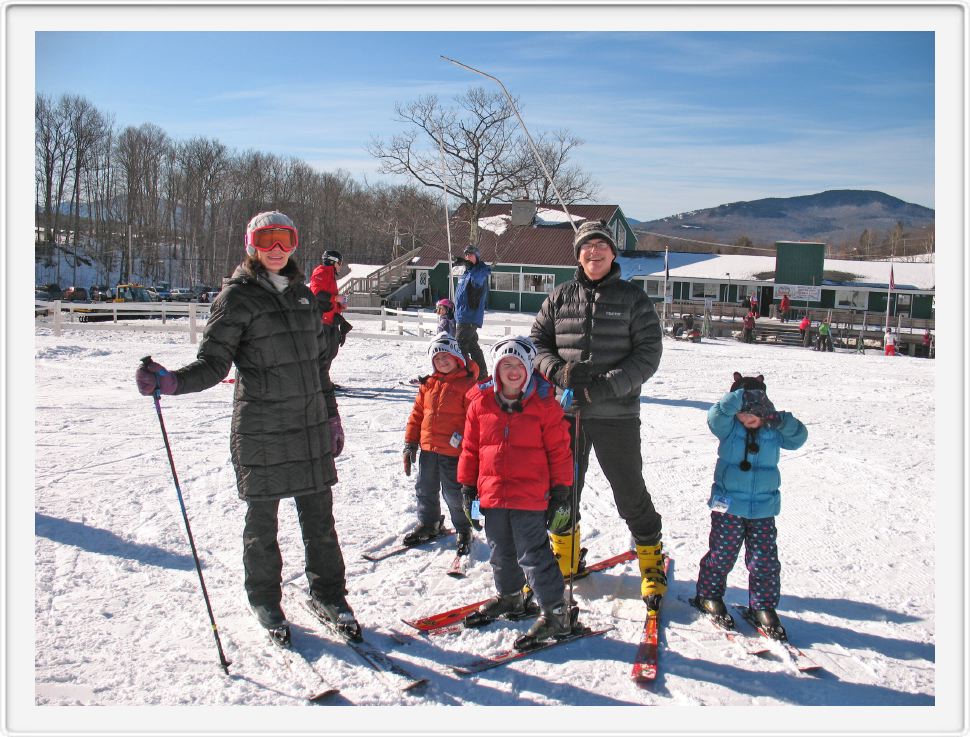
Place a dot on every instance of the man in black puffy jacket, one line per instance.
(600, 336)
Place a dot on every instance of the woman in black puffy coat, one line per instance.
(285, 429)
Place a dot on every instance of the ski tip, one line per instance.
(316, 698)
(416, 684)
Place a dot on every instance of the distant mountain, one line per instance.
(832, 216)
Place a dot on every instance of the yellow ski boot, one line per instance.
(654, 583)
(567, 552)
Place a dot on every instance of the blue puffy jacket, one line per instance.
(471, 296)
(754, 493)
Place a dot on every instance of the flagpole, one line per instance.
(889, 298)
(666, 274)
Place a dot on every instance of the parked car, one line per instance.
(53, 291)
(181, 294)
(75, 294)
(164, 293)
(99, 293)
(207, 297)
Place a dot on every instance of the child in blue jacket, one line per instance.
(745, 498)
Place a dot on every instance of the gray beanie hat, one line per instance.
(593, 229)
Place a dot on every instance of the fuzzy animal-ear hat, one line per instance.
(748, 382)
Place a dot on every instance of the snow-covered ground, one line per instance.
(119, 620)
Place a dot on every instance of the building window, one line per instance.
(617, 229)
(904, 301)
(702, 290)
(542, 283)
(654, 287)
(504, 281)
(850, 299)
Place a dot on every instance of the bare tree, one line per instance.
(484, 159)
(573, 183)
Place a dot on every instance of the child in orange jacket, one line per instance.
(436, 424)
(516, 462)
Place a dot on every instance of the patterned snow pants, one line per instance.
(759, 536)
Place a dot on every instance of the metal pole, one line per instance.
(185, 517)
(444, 186)
(535, 151)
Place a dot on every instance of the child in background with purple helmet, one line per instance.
(445, 309)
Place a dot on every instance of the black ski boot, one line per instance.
(511, 606)
(272, 618)
(464, 542)
(715, 609)
(558, 621)
(337, 612)
(422, 532)
(767, 620)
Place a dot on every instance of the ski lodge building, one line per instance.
(530, 249)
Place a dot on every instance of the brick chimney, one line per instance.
(523, 212)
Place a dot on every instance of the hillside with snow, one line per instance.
(118, 618)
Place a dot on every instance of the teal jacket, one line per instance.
(755, 493)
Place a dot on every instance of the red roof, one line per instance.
(548, 245)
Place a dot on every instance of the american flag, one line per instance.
(666, 265)
(892, 280)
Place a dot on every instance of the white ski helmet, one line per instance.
(264, 220)
(519, 347)
(444, 343)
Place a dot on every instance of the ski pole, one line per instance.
(532, 145)
(198, 566)
(566, 401)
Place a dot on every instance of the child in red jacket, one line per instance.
(436, 424)
(516, 461)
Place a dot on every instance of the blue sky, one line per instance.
(672, 121)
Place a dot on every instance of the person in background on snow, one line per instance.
(746, 498)
(445, 309)
(747, 327)
(323, 283)
(436, 424)
(471, 297)
(600, 336)
(286, 429)
(784, 307)
(515, 461)
(754, 305)
(804, 328)
(889, 341)
(927, 341)
(825, 336)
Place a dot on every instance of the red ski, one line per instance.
(441, 620)
(507, 656)
(647, 658)
(796, 657)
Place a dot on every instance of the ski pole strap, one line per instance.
(566, 400)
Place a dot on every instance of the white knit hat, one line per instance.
(445, 343)
(268, 219)
(520, 348)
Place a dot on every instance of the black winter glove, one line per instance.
(410, 456)
(325, 301)
(598, 390)
(575, 375)
(468, 495)
(559, 518)
(343, 326)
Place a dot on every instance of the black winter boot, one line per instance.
(767, 620)
(464, 542)
(554, 622)
(272, 618)
(337, 611)
(422, 532)
(511, 606)
(715, 609)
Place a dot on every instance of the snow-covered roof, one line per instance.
(357, 271)
(743, 268)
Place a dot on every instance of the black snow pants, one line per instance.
(263, 563)
(466, 334)
(617, 445)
